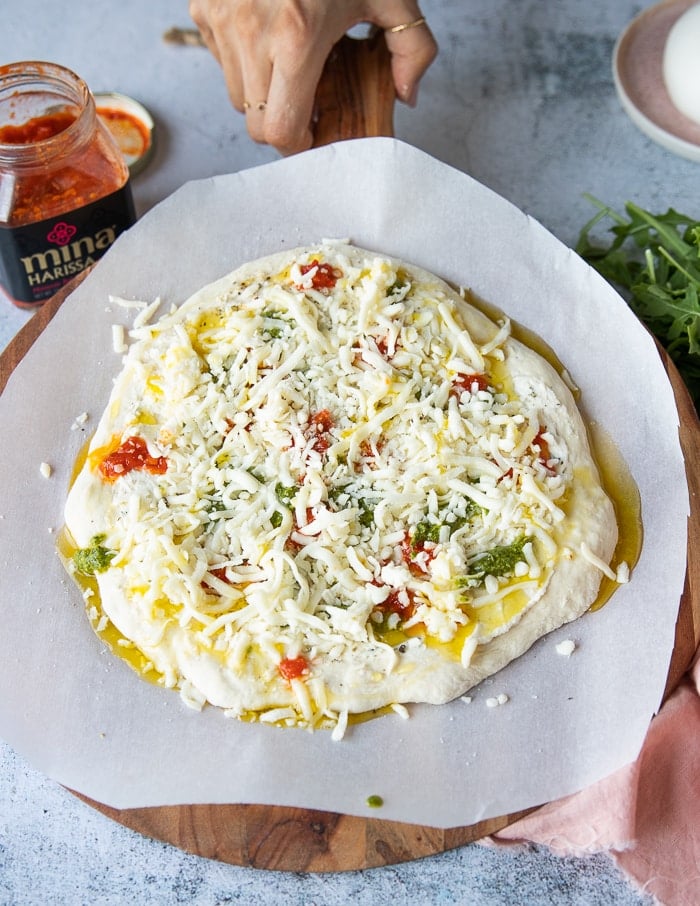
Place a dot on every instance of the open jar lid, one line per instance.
(130, 124)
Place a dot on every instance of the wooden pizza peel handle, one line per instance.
(355, 97)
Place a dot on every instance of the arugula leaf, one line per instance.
(655, 259)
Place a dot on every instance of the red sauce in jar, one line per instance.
(64, 185)
(37, 129)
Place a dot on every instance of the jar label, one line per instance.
(36, 260)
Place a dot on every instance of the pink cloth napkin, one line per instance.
(646, 815)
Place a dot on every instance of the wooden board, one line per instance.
(297, 839)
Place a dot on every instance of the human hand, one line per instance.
(272, 53)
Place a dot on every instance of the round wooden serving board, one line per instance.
(356, 98)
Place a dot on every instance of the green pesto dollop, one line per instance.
(430, 531)
(95, 558)
(499, 561)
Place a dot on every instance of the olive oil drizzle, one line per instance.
(103, 627)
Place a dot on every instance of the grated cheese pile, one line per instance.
(360, 485)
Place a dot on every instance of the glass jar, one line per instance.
(65, 194)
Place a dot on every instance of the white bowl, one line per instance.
(638, 74)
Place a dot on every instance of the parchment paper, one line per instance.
(84, 718)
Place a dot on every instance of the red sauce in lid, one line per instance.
(131, 135)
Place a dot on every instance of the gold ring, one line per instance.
(246, 105)
(399, 28)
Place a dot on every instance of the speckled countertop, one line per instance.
(522, 98)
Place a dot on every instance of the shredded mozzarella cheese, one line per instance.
(341, 461)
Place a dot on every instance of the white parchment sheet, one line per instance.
(84, 718)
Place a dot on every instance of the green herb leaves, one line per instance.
(656, 259)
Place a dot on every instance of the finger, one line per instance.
(205, 31)
(209, 41)
(291, 103)
(299, 46)
(234, 80)
(222, 52)
(410, 41)
(412, 51)
(256, 74)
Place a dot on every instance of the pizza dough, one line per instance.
(326, 484)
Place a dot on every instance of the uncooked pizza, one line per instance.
(327, 484)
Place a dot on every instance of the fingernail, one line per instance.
(411, 96)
